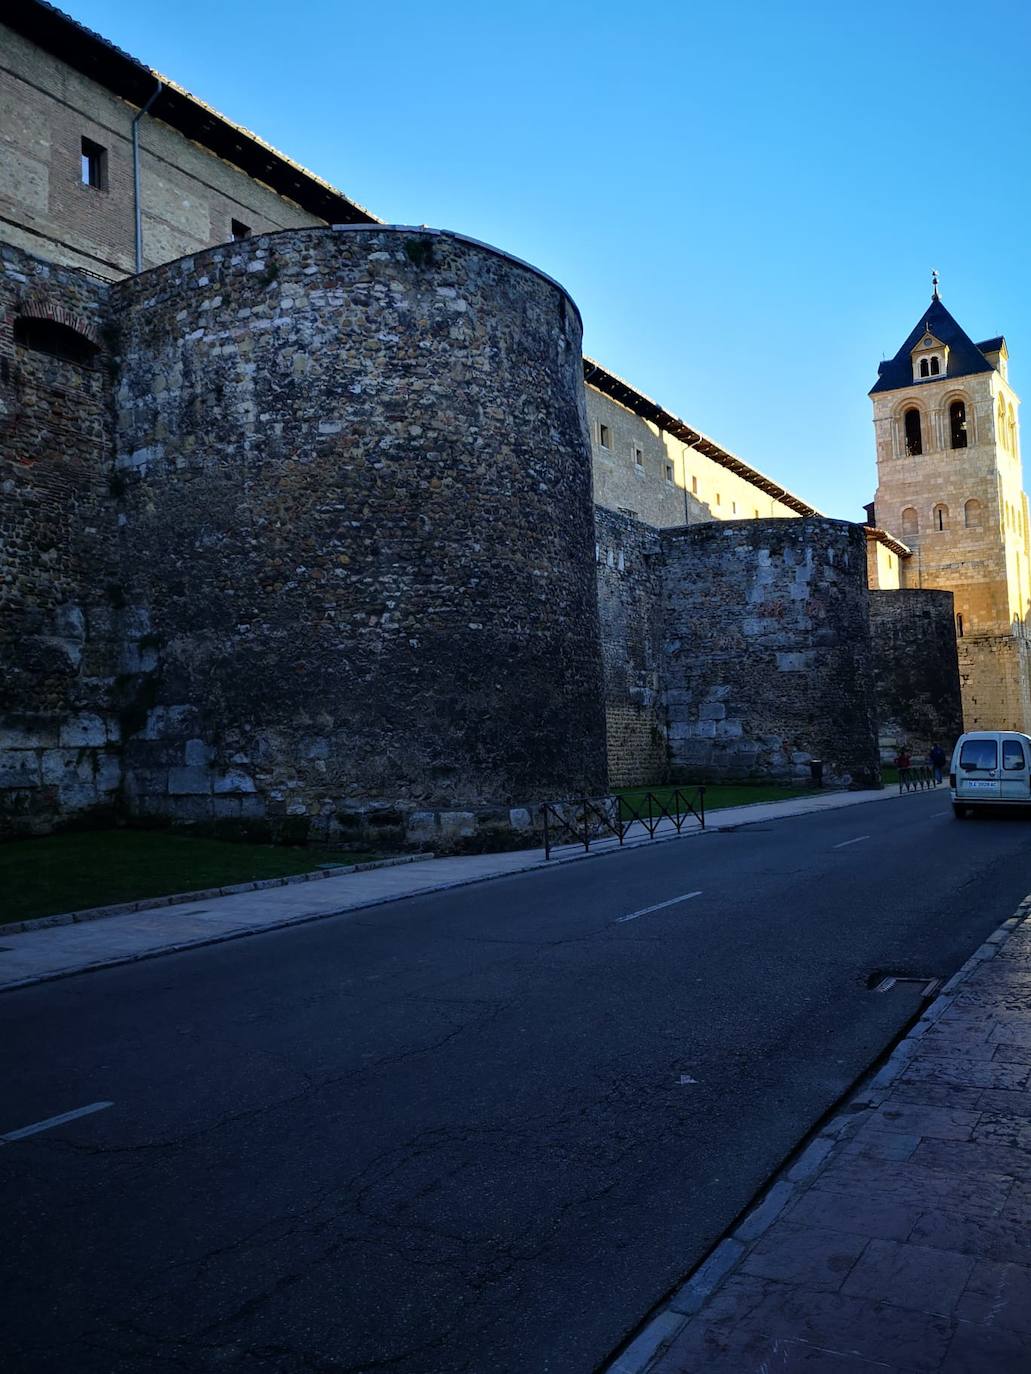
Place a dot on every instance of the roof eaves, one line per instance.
(133, 81)
(888, 540)
(620, 390)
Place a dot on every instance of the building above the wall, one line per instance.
(70, 164)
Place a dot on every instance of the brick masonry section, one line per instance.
(916, 670)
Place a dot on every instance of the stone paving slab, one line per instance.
(906, 1247)
(32, 956)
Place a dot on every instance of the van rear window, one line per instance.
(979, 753)
(1012, 754)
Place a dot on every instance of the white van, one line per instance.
(990, 768)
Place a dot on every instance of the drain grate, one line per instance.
(885, 983)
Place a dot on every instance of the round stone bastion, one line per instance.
(356, 513)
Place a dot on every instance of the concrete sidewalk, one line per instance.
(32, 956)
(900, 1240)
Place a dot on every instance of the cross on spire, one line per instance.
(934, 284)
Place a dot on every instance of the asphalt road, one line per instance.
(481, 1131)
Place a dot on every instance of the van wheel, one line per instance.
(960, 812)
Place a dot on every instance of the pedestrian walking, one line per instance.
(938, 761)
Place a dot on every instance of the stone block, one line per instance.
(712, 710)
(83, 730)
(460, 824)
(235, 780)
(197, 754)
(64, 766)
(421, 825)
(184, 782)
(109, 772)
(19, 768)
(520, 819)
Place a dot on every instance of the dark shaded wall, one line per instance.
(357, 508)
(767, 656)
(916, 671)
(61, 606)
(629, 567)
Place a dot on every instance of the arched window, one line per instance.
(972, 514)
(1001, 435)
(934, 367)
(958, 424)
(914, 438)
(925, 368)
(59, 340)
(1012, 431)
(940, 517)
(910, 522)
(959, 626)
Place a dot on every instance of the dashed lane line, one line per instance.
(53, 1121)
(684, 897)
(845, 843)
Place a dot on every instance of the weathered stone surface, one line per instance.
(916, 671)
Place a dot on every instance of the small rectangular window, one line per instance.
(94, 165)
(733, 508)
(694, 486)
(240, 230)
(603, 436)
(669, 473)
(638, 457)
(717, 498)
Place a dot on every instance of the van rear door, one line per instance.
(977, 777)
(1014, 774)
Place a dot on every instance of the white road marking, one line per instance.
(848, 842)
(686, 897)
(52, 1121)
(686, 1078)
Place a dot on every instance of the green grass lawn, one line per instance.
(71, 872)
(717, 795)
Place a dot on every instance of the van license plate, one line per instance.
(975, 786)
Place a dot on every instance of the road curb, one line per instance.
(798, 1173)
(307, 918)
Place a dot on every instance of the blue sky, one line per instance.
(745, 198)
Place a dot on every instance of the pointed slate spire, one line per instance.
(965, 358)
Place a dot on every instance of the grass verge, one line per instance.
(717, 795)
(56, 873)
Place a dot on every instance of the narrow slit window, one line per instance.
(940, 518)
(669, 473)
(638, 457)
(694, 486)
(603, 436)
(958, 424)
(959, 626)
(914, 436)
(94, 165)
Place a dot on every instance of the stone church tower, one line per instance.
(949, 486)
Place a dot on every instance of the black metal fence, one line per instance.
(916, 779)
(602, 818)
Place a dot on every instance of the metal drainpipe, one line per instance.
(136, 173)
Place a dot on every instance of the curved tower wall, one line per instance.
(768, 654)
(357, 507)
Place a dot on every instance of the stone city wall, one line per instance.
(767, 651)
(995, 674)
(357, 512)
(61, 602)
(916, 671)
(628, 558)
